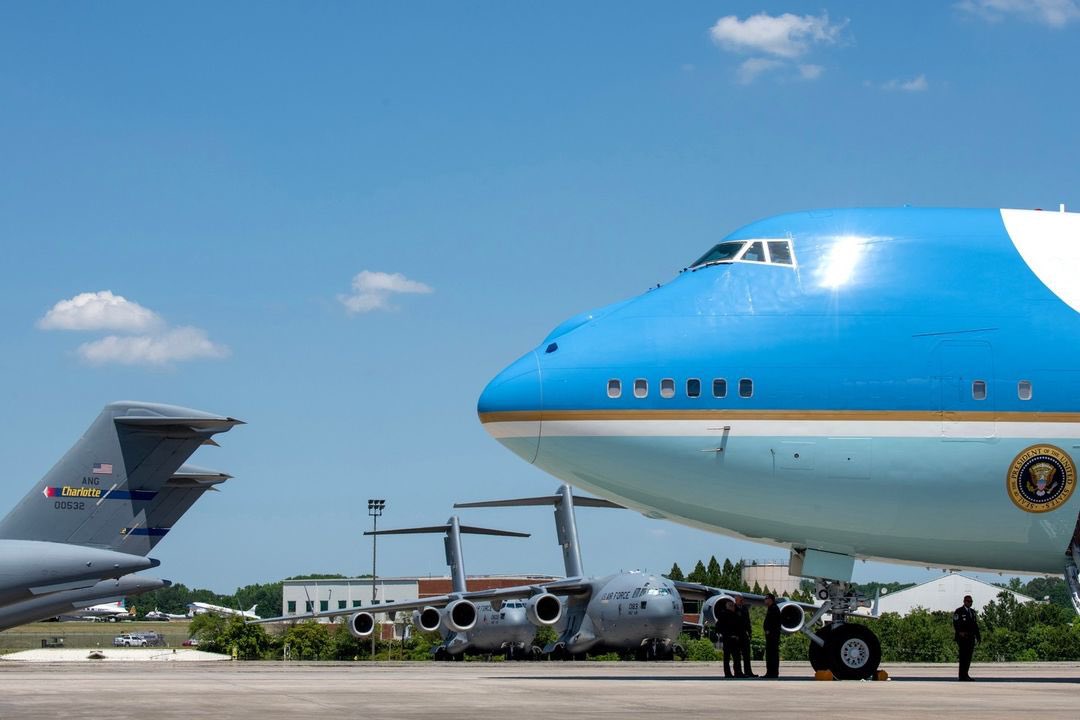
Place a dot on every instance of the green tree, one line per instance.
(714, 575)
(699, 574)
(675, 573)
(307, 641)
(209, 630)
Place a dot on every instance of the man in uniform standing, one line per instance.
(966, 629)
(742, 610)
(772, 637)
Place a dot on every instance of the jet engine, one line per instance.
(712, 607)
(361, 624)
(543, 609)
(459, 616)
(427, 619)
(792, 617)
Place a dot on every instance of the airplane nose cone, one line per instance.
(510, 407)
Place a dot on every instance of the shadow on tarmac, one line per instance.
(788, 679)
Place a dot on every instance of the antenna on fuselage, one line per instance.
(565, 520)
(453, 530)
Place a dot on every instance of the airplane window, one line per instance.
(978, 389)
(667, 388)
(614, 388)
(693, 387)
(641, 388)
(746, 388)
(719, 388)
(723, 252)
(754, 253)
(780, 252)
(1023, 389)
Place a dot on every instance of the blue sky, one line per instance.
(231, 170)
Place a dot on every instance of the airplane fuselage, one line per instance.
(620, 614)
(902, 385)
(495, 631)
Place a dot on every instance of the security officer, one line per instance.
(966, 628)
(728, 625)
(742, 610)
(772, 637)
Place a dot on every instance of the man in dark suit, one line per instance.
(742, 610)
(966, 629)
(727, 625)
(772, 637)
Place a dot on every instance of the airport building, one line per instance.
(771, 574)
(945, 594)
(299, 597)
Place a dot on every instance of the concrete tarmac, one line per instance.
(500, 690)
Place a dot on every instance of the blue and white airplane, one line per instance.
(896, 384)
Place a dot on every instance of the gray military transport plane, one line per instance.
(483, 628)
(627, 612)
(77, 536)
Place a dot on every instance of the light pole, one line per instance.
(375, 510)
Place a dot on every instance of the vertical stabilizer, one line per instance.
(453, 530)
(102, 488)
(565, 520)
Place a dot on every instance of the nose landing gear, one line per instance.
(848, 650)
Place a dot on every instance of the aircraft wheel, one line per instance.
(536, 653)
(441, 654)
(678, 651)
(819, 656)
(854, 652)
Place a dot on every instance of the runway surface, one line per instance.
(501, 690)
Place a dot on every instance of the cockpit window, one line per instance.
(771, 252)
(724, 252)
(780, 252)
(754, 253)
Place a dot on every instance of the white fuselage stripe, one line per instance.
(782, 428)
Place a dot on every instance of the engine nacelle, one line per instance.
(792, 617)
(361, 624)
(712, 607)
(427, 619)
(543, 609)
(459, 616)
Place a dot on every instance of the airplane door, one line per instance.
(965, 389)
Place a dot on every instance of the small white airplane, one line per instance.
(112, 612)
(156, 614)
(200, 608)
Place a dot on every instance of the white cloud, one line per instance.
(787, 36)
(809, 71)
(373, 290)
(1054, 13)
(915, 84)
(175, 345)
(749, 70)
(147, 338)
(99, 311)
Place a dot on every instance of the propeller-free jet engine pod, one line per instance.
(361, 624)
(460, 615)
(543, 609)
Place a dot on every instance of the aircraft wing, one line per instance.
(699, 593)
(569, 586)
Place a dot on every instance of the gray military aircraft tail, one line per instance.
(105, 504)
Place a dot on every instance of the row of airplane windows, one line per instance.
(693, 388)
(746, 388)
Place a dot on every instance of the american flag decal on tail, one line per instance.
(101, 469)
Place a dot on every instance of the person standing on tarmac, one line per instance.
(728, 625)
(742, 611)
(772, 637)
(966, 628)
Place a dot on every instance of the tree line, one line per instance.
(1012, 631)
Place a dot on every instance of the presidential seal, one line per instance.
(1041, 478)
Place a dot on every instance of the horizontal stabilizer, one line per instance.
(544, 500)
(440, 529)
